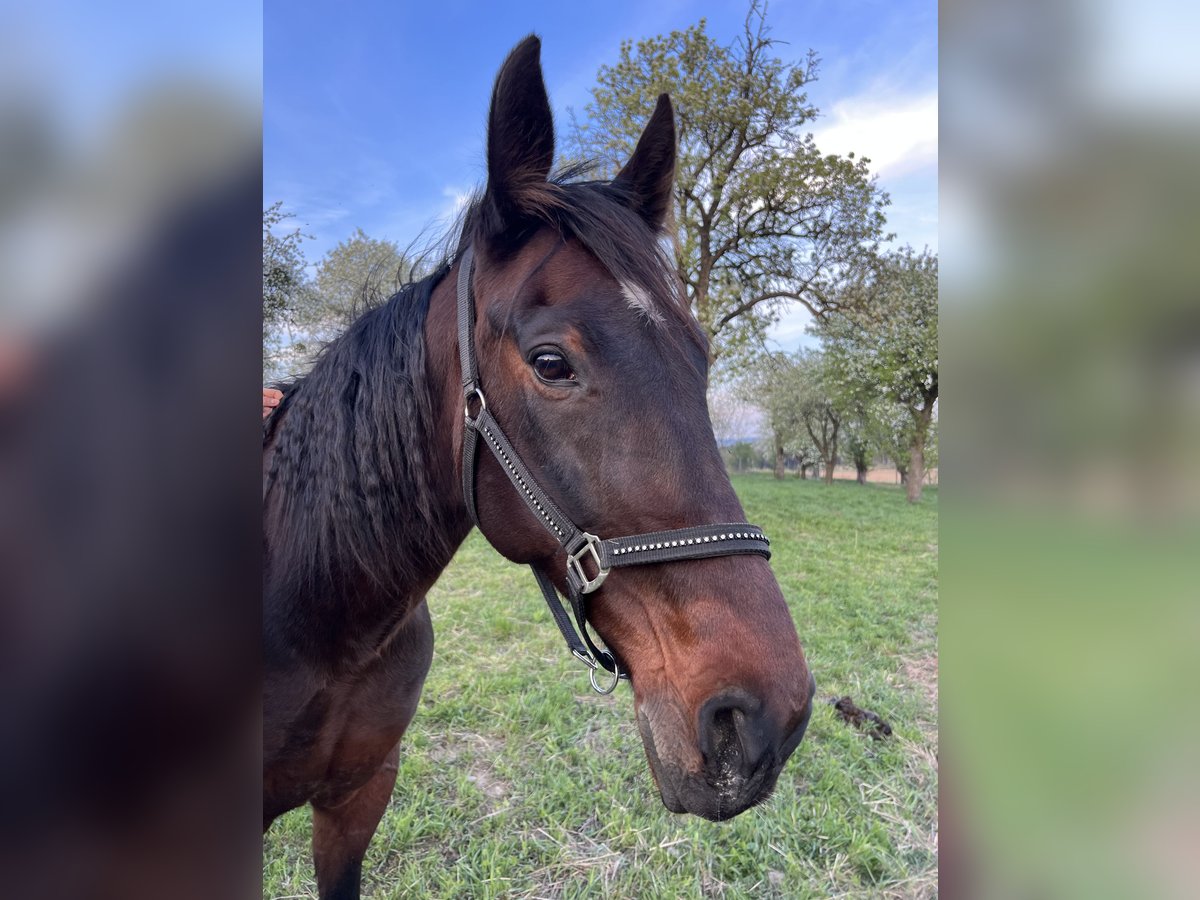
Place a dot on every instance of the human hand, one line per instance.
(271, 398)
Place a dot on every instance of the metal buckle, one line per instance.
(575, 565)
(476, 392)
(594, 667)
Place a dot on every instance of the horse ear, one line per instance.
(648, 178)
(520, 147)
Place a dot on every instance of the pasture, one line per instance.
(516, 780)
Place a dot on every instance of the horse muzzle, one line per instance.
(739, 753)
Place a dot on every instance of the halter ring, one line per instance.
(477, 393)
(594, 667)
(616, 678)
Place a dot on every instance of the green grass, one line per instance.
(517, 781)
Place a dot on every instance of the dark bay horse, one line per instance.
(597, 369)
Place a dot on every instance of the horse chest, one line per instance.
(338, 732)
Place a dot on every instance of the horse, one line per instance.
(558, 296)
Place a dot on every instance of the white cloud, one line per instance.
(458, 196)
(898, 135)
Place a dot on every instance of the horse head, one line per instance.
(598, 370)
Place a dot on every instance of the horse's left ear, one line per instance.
(648, 179)
(520, 145)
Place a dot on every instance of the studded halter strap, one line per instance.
(584, 551)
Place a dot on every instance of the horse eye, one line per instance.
(552, 367)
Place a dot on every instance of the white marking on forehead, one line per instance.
(639, 300)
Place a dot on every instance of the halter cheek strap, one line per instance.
(586, 553)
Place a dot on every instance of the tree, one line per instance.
(889, 346)
(359, 271)
(858, 406)
(285, 284)
(872, 422)
(805, 455)
(283, 266)
(742, 455)
(772, 386)
(300, 313)
(818, 408)
(800, 413)
(858, 444)
(763, 217)
(892, 435)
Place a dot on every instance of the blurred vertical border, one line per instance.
(130, 308)
(1070, 518)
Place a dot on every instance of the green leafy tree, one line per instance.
(306, 312)
(801, 415)
(857, 443)
(892, 436)
(892, 432)
(859, 408)
(771, 386)
(742, 455)
(285, 282)
(764, 218)
(283, 265)
(889, 347)
(806, 458)
(359, 271)
(882, 428)
(818, 408)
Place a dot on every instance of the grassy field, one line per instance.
(517, 781)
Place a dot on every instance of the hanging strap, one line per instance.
(466, 321)
(470, 376)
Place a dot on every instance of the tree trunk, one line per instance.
(779, 457)
(902, 471)
(860, 473)
(803, 475)
(916, 466)
(828, 471)
(916, 469)
(832, 459)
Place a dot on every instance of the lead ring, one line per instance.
(616, 677)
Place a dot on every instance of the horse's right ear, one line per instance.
(520, 143)
(648, 178)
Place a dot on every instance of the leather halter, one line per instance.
(583, 550)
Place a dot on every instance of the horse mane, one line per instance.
(350, 453)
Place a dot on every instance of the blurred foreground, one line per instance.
(129, 328)
(1071, 509)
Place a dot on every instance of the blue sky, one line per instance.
(374, 112)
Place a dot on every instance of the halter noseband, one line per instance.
(695, 542)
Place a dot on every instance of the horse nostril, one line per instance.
(733, 733)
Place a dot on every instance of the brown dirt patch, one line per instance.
(922, 672)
